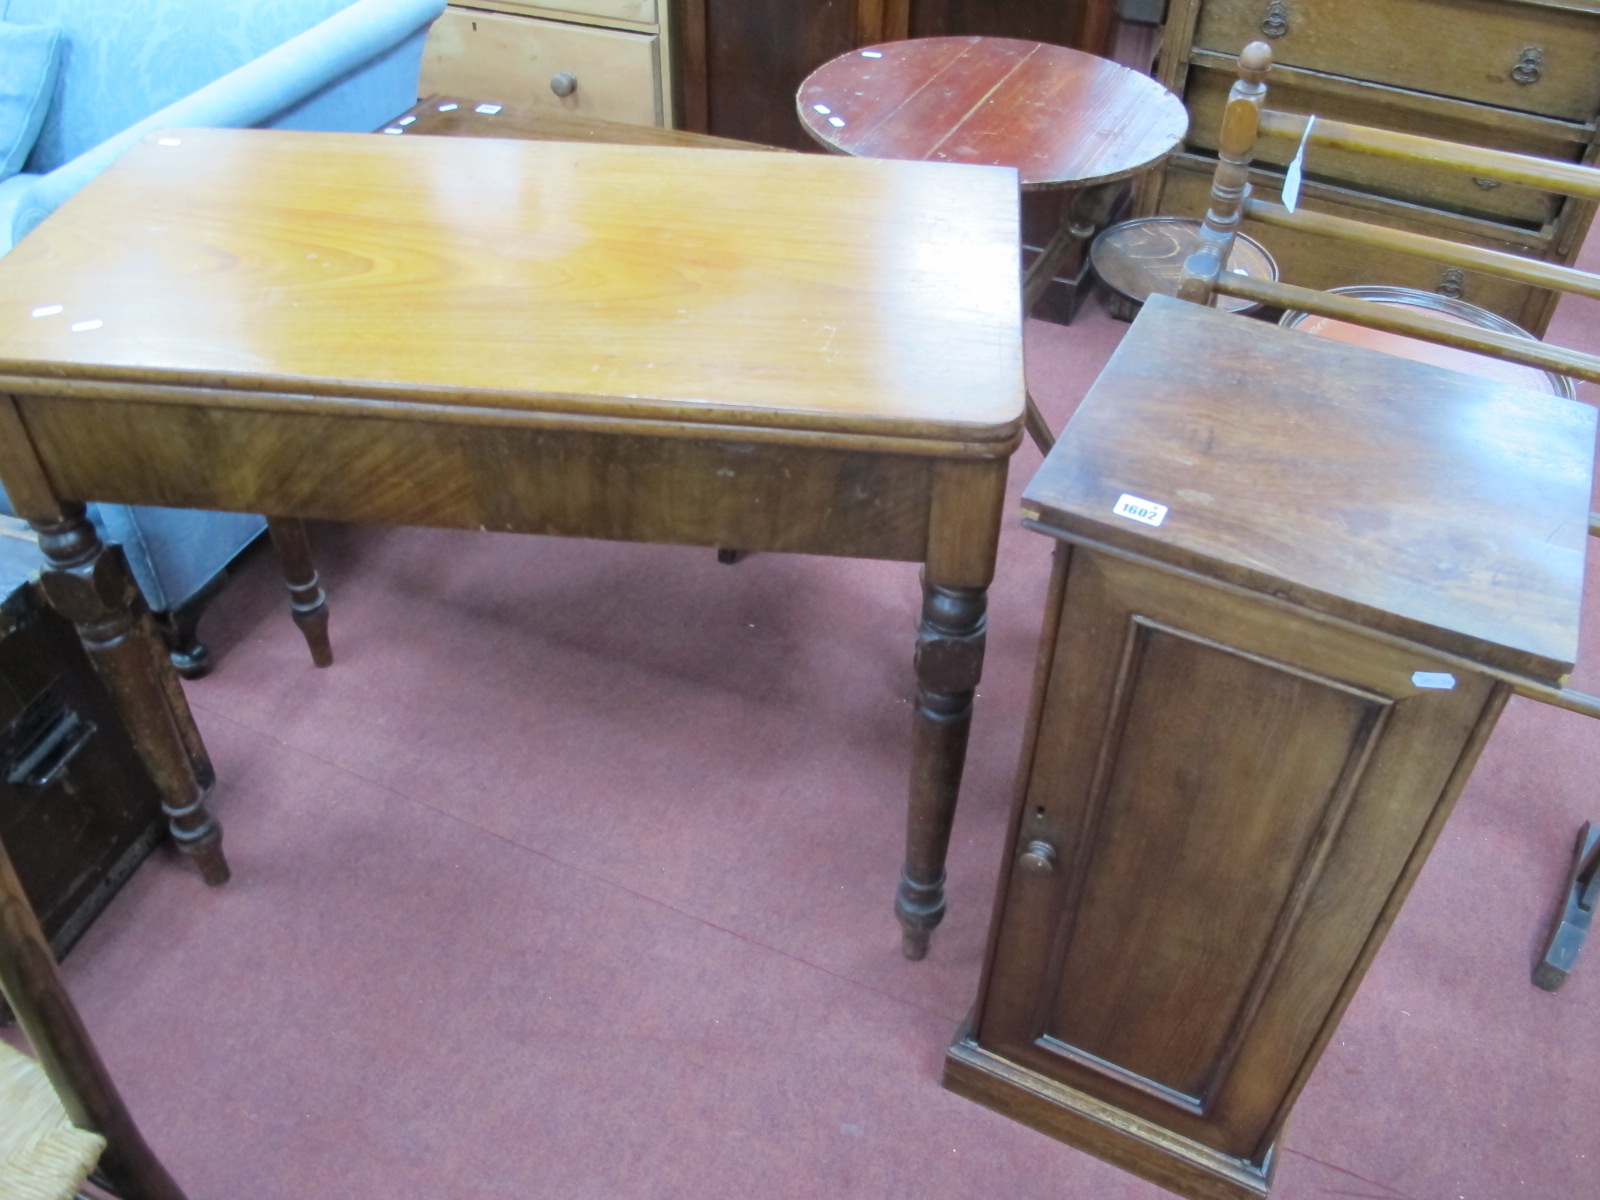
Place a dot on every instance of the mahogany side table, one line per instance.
(703, 346)
(1066, 120)
(1295, 584)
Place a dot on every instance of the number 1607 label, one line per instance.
(1137, 509)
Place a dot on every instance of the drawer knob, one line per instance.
(1452, 282)
(564, 84)
(1529, 67)
(1276, 23)
(1039, 858)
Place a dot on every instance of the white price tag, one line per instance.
(1137, 509)
(1441, 680)
(1291, 180)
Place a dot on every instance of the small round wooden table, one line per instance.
(1064, 119)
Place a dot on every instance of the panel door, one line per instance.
(1221, 811)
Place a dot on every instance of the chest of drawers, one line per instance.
(587, 58)
(1519, 75)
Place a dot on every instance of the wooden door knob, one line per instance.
(1039, 858)
(564, 84)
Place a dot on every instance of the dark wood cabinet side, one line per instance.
(738, 65)
(1082, 24)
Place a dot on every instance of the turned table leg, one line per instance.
(963, 533)
(308, 603)
(89, 583)
(949, 660)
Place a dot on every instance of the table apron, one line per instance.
(630, 487)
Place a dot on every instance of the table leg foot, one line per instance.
(308, 603)
(1038, 428)
(202, 842)
(88, 582)
(1573, 918)
(949, 660)
(191, 659)
(919, 908)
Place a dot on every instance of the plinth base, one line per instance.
(1101, 1129)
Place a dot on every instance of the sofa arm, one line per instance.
(285, 78)
(17, 212)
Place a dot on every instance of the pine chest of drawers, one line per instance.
(587, 58)
(1519, 75)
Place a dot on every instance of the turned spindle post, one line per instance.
(33, 987)
(308, 603)
(1236, 147)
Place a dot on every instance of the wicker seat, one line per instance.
(43, 1156)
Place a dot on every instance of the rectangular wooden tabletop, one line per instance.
(790, 292)
(1422, 502)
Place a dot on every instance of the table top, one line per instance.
(460, 116)
(1063, 118)
(1439, 507)
(791, 292)
(1146, 254)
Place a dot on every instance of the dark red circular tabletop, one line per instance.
(1063, 118)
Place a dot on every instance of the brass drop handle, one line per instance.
(1529, 67)
(564, 84)
(1276, 23)
(1039, 858)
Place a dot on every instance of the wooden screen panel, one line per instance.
(1081, 24)
(738, 64)
(757, 56)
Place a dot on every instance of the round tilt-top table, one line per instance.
(1064, 119)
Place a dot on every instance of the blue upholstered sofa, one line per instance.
(128, 67)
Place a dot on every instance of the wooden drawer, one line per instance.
(640, 12)
(1300, 91)
(1313, 261)
(1470, 49)
(496, 56)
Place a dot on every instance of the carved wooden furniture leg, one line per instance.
(1576, 912)
(949, 660)
(33, 985)
(89, 583)
(180, 630)
(307, 601)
